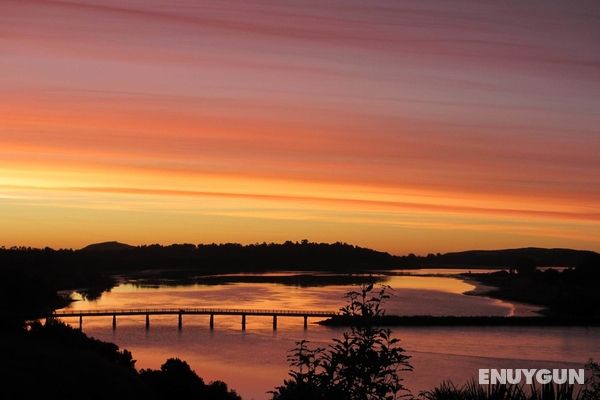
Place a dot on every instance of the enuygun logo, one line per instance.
(531, 376)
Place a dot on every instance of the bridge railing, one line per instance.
(193, 310)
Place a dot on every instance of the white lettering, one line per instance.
(484, 376)
(543, 376)
(498, 376)
(559, 376)
(576, 376)
(513, 376)
(528, 375)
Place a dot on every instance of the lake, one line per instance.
(254, 361)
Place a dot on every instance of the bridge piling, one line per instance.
(305, 314)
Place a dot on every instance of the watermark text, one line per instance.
(531, 376)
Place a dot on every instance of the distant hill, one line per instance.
(107, 246)
(115, 257)
(507, 257)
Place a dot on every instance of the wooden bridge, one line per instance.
(180, 312)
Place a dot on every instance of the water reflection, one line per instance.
(254, 361)
(412, 295)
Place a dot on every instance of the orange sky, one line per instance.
(410, 126)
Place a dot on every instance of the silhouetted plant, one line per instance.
(54, 332)
(473, 391)
(592, 384)
(364, 365)
(177, 380)
(218, 390)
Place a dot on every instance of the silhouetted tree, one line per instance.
(176, 380)
(589, 266)
(592, 384)
(218, 390)
(363, 365)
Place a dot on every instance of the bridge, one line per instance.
(180, 312)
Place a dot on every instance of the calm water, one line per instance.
(254, 361)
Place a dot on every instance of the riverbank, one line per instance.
(428, 320)
(570, 292)
(516, 308)
(66, 363)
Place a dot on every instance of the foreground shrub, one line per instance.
(363, 365)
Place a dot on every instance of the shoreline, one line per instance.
(432, 321)
(518, 309)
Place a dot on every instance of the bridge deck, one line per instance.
(192, 311)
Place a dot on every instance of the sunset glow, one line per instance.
(405, 126)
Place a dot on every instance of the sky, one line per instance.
(405, 126)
